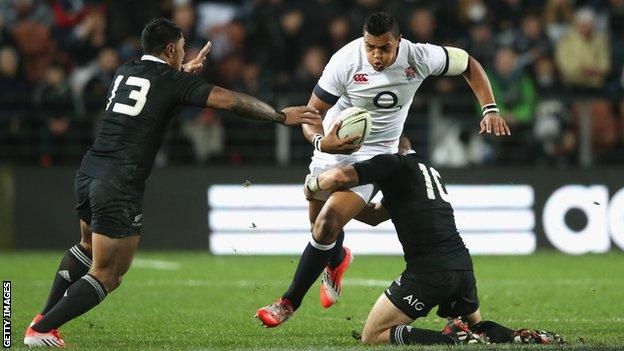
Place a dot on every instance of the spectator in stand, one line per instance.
(422, 26)
(55, 111)
(515, 96)
(310, 69)
(338, 33)
(5, 37)
(96, 88)
(584, 60)
(506, 19)
(291, 44)
(29, 25)
(552, 127)
(558, 16)
(184, 16)
(14, 103)
(90, 36)
(615, 81)
(531, 41)
(583, 55)
(472, 11)
(204, 130)
(201, 127)
(67, 18)
(13, 12)
(481, 43)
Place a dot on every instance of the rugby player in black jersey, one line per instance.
(439, 269)
(145, 96)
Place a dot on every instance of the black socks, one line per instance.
(407, 335)
(338, 252)
(81, 296)
(313, 260)
(73, 266)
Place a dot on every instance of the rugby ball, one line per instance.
(355, 121)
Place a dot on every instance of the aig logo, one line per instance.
(604, 219)
(418, 306)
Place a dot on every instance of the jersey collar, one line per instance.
(152, 58)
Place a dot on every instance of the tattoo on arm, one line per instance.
(252, 108)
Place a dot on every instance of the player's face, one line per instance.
(381, 50)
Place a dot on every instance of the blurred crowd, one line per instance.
(552, 63)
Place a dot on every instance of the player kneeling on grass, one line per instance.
(439, 268)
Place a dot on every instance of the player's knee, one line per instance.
(326, 229)
(327, 226)
(111, 281)
(369, 337)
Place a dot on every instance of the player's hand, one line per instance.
(297, 115)
(196, 64)
(494, 122)
(332, 144)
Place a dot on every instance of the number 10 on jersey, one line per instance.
(429, 184)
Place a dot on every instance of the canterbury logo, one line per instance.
(360, 78)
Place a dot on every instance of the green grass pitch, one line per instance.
(191, 301)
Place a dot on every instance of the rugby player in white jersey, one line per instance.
(379, 72)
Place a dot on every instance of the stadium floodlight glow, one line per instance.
(273, 219)
(594, 237)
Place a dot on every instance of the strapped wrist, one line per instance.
(312, 184)
(489, 108)
(316, 141)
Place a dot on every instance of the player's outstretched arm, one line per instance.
(343, 177)
(251, 108)
(480, 84)
(330, 180)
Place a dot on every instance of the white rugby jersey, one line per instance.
(350, 80)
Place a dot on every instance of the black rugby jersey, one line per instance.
(417, 202)
(144, 97)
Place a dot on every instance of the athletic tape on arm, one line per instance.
(458, 61)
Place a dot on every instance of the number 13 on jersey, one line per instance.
(139, 96)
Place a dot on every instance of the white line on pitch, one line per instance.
(155, 264)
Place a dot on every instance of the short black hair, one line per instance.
(380, 23)
(157, 34)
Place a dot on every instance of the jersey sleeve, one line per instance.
(377, 168)
(191, 89)
(430, 60)
(332, 83)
